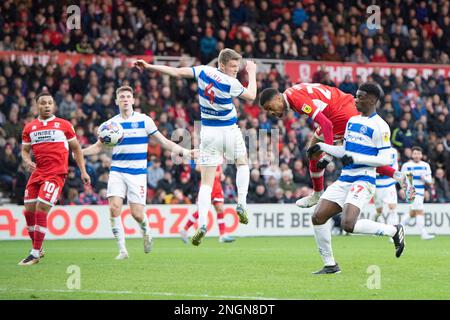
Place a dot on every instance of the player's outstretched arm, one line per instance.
(250, 93)
(382, 159)
(171, 71)
(93, 149)
(26, 157)
(79, 158)
(172, 146)
(335, 151)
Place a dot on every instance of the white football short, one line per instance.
(386, 195)
(219, 142)
(134, 187)
(358, 193)
(417, 204)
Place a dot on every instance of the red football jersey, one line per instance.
(49, 143)
(310, 98)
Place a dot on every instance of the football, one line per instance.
(110, 133)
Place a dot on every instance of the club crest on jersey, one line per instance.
(33, 128)
(56, 124)
(134, 125)
(363, 129)
(306, 108)
(385, 136)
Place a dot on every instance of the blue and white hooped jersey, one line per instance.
(130, 156)
(418, 170)
(364, 136)
(216, 91)
(385, 181)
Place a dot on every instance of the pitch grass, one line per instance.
(250, 268)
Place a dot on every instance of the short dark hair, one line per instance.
(267, 95)
(42, 94)
(371, 88)
(416, 148)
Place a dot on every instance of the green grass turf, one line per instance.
(250, 268)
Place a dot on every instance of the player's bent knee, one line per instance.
(114, 209)
(347, 225)
(241, 162)
(317, 219)
(42, 207)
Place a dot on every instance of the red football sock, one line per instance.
(316, 176)
(191, 221)
(221, 223)
(40, 229)
(29, 217)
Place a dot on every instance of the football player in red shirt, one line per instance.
(217, 200)
(331, 109)
(49, 138)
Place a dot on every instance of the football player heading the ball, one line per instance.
(128, 174)
(331, 109)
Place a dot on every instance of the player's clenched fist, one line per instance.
(85, 178)
(141, 64)
(250, 66)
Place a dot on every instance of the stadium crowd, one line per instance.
(416, 109)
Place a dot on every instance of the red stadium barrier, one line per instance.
(92, 222)
(303, 71)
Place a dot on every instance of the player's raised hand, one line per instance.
(141, 64)
(313, 150)
(30, 166)
(402, 194)
(347, 160)
(85, 178)
(250, 66)
(194, 153)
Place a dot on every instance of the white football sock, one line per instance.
(119, 234)
(35, 253)
(144, 225)
(322, 234)
(242, 182)
(366, 226)
(393, 217)
(420, 221)
(204, 203)
(406, 219)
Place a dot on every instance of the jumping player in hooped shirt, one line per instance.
(331, 109)
(219, 135)
(49, 139)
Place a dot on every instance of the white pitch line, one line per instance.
(168, 294)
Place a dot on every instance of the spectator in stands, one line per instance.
(348, 86)
(89, 196)
(154, 173)
(402, 136)
(8, 167)
(441, 186)
(260, 195)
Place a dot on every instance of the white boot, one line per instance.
(309, 201)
